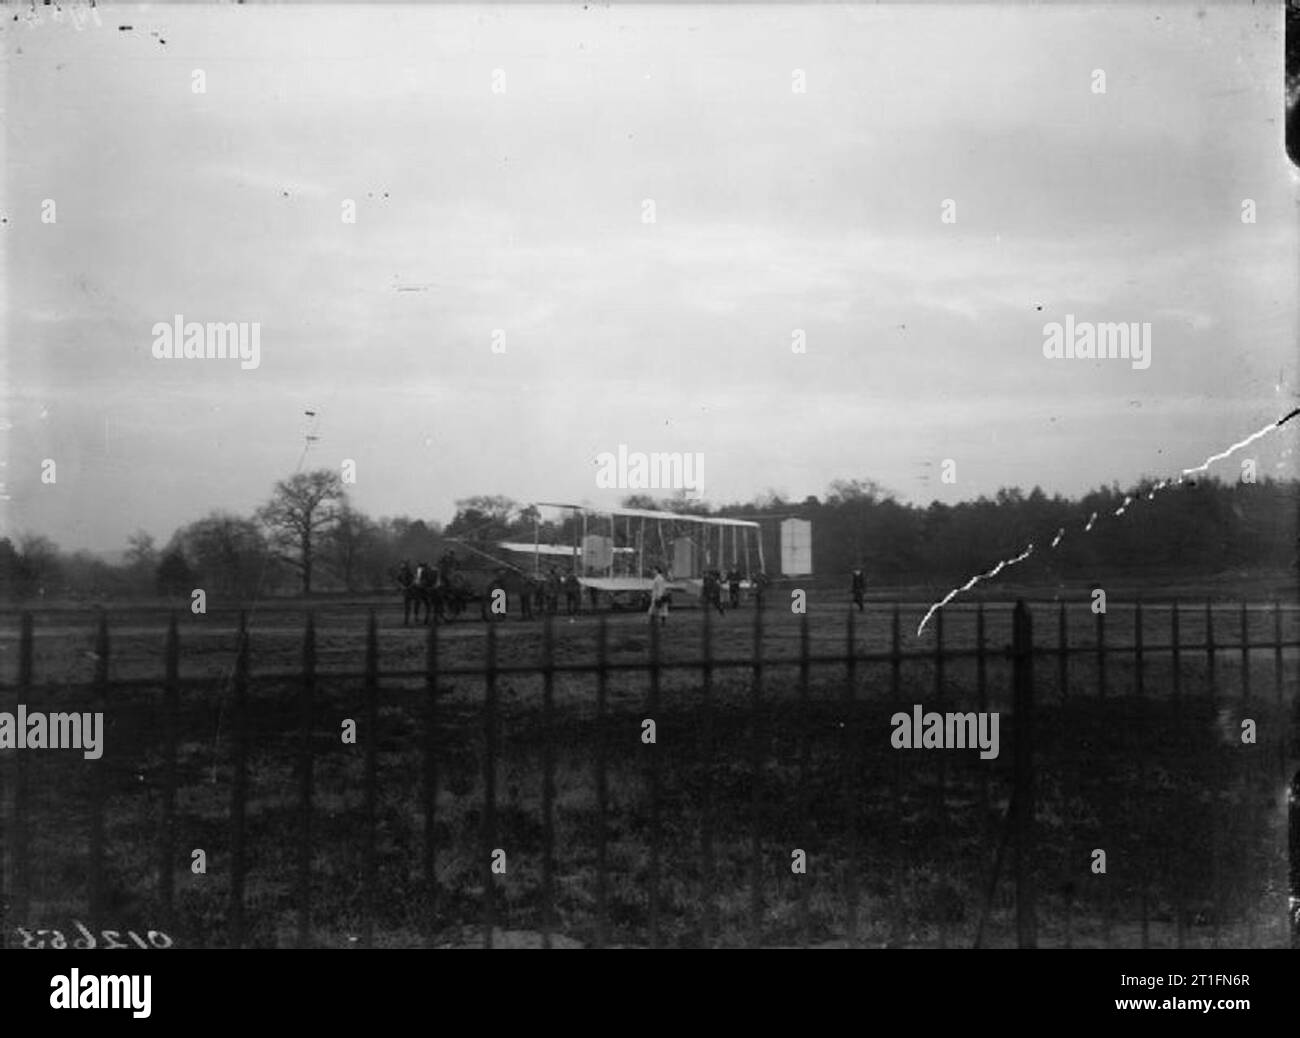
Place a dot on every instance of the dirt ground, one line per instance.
(900, 845)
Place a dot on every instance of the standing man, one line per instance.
(405, 581)
(553, 592)
(713, 591)
(527, 589)
(659, 598)
(572, 594)
(733, 586)
(498, 583)
(859, 587)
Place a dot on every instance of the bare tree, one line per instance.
(141, 560)
(350, 543)
(39, 565)
(302, 507)
(228, 553)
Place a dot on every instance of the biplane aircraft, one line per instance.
(614, 551)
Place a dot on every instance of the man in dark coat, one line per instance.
(713, 591)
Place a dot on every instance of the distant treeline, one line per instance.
(308, 537)
(1184, 531)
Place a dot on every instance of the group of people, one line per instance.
(541, 594)
(547, 592)
(423, 575)
(428, 588)
(714, 581)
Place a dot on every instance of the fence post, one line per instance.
(895, 693)
(371, 864)
(941, 779)
(981, 687)
(900, 841)
(22, 866)
(488, 829)
(1277, 684)
(653, 768)
(98, 784)
(805, 805)
(756, 788)
(548, 778)
(239, 784)
(430, 784)
(1293, 906)
(1180, 795)
(171, 709)
(706, 828)
(1022, 648)
(848, 757)
(305, 710)
(1252, 768)
(602, 784)
(1144, 854)
(942, 782)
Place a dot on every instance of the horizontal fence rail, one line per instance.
(650, 795)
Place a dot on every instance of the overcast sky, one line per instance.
(523, 210)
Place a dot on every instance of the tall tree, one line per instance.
(301, 508)
(141, 562)
(228, 553)
(140, 549)
(482, 519)
(350, 546)
(11, 570)
(40, 565)
(174, 576)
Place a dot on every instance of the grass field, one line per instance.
(1191, 820)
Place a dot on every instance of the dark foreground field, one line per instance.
(900, 844)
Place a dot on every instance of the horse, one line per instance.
(422, 588)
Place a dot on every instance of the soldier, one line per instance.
(527, 589)
(572, 594)
(498, 583)
(859, 587)
(553, 591)
(733, 586)
(446, 566)
(713, 591)
(405, 580)
(659, 598)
